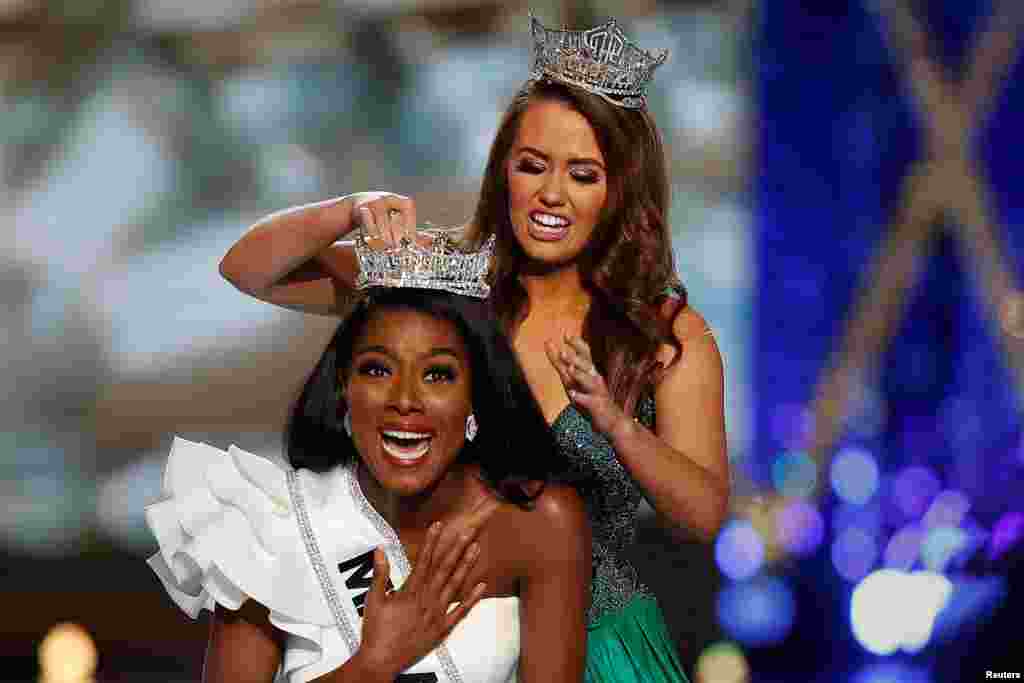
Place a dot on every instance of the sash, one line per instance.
(346, 577)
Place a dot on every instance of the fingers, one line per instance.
(381, 573)
(455, 583)
(421, 571)
(387, 219)
(456, 615)
(454, 541)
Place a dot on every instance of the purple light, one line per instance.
(904, 548)
(792, 425)
(1006, 533)
(854, 475)
(948, 509)
(854, 553)
(739, 550)
(799, 527)
(913, 489)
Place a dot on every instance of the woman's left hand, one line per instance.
(585, 386)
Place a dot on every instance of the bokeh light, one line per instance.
(854, 475)
(889, 671)
(854, 553)
(794, 473)
(792, 425)
(947, 509)
(758, 612)
(1007, 532)
(904, 548)
(881, 629)
(913, 489)
(800, 528)
(67, 655)
(722, 662)
(939, 546)
(739, 550)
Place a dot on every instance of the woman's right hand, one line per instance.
(385, 217)
(402, 626)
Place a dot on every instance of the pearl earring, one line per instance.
(471, 427)
(347, 422)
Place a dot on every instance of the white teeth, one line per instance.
(395, 434)
(549, 220)
(403, 452)
(407, 456)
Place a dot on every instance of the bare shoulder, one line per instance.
(555, 520)
(560, 509)
(689, 325)
(696, 340)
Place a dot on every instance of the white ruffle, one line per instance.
(227, 533)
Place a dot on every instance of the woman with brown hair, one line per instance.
(627, 374)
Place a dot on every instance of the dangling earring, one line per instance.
(347, 422)
(471, 427)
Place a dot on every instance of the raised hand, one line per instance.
(402, 626)
(385, 217)
(585, 386)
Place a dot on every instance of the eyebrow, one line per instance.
(436, 351)
(573, 160)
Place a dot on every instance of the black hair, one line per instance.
(514, 444)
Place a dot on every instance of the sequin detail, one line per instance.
(349, 634)
(612, 498)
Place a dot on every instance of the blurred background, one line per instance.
(847, 213)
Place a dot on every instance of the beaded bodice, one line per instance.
(612, 498)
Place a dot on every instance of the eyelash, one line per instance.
(378, 369)
(534, 168)
(446, 371)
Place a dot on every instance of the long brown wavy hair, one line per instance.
(627, 267)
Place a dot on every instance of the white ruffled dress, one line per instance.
(234, 526)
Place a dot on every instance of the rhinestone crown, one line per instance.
(601, 60)
(442, 266)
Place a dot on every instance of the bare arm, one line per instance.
(555, 591)
(682, 465)
(243, 646)
(290, 258)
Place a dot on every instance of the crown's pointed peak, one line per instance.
(601, 60)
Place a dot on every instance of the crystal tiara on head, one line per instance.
(601, 60)
(442, 266)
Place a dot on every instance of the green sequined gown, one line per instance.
(627, 639)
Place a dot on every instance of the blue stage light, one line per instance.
(794, 473)
(758, 612)
(854, 475)
(854, 553)
(739, 550)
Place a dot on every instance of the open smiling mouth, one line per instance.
(547, 226)
(406, 447)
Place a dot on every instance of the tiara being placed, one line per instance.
(601, 60)
(443, 266)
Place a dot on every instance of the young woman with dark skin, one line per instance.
(475, 518)
(627, 374)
